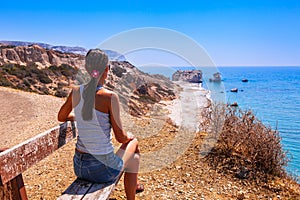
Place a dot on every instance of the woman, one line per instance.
(97, 110)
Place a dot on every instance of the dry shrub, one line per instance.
(247, 148)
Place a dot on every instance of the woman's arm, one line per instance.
(114, 110)
(64, 113)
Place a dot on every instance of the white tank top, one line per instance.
(94, 136)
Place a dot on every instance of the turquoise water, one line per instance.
(273, 93)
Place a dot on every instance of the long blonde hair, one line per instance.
(95, 64)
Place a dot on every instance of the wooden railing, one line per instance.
(14, 161)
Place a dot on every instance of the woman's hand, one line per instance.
(71, 117)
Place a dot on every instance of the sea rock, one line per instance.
(193, 76)
(234, 104)
(216, 78)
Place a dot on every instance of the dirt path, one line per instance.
(24, 115)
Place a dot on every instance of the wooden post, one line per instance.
(14, 189)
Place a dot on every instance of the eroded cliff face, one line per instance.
(138, 90)
(36, 69)
(24, 55)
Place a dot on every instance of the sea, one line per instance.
(272, 93)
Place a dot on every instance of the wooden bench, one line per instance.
(14, 161)
(81, 189)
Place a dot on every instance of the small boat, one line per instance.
(234, 90)
(244, 80)
(234, 104)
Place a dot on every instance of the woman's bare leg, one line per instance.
(129, 152)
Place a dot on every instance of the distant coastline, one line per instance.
(264, 90)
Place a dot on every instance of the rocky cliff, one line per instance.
(113, 55)
(64, 49)
(35, 69)
(139, 90)
(24, 55)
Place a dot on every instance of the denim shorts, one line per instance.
(97, 168)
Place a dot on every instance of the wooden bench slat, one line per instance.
(99, 192)
(76, 190)
(84, 190)
(80, 189)
(16, 160)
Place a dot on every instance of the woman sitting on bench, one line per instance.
(97, 110)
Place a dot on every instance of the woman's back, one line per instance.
(96, 113)
(94, 135)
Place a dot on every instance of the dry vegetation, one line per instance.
(248, 150)
(52, 80)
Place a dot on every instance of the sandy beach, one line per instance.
(180, 174)
(186, 110)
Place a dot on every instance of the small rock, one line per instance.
(241, 196)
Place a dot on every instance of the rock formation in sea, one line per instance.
(193, 76)
(216, 77)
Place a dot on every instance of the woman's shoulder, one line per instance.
(107, 93)
(110, 93)
(105, 98)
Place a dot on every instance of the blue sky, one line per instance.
(233, 32)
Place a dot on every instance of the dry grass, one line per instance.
(247, 148)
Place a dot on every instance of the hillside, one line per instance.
(63, 49)
(43, 71)
(24, 55)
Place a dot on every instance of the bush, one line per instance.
(68, 71)
(6, 46)
(61, 92)
(43, 78)
(118, 71)
(44, 90)
(64, 69)
(31, 70)
(26, 82)
(4, 81)
(147, 99)
(247, 148)
(14, 69)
